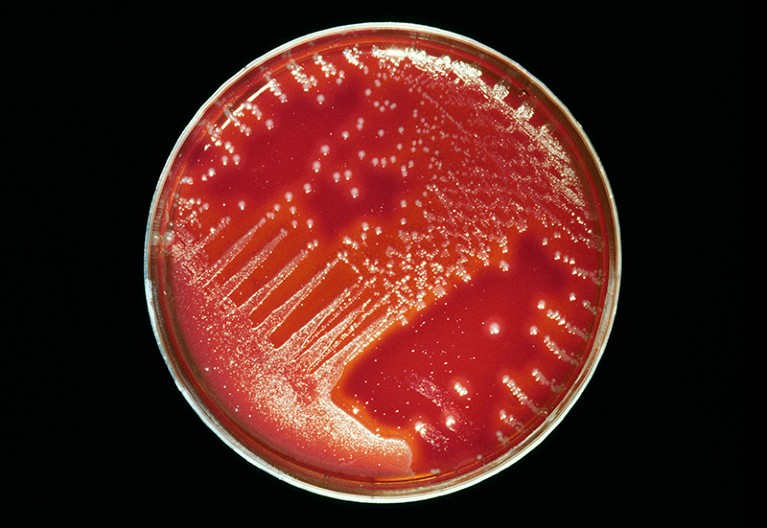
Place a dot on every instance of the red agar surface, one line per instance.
(382, 259)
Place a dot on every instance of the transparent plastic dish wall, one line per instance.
(382, 262)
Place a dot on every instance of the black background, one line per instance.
(98, 430)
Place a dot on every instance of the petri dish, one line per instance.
(382, 262)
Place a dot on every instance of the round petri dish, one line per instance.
(382, 262)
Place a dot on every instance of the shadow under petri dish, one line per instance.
(382, 262)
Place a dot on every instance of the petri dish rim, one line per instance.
(352, 491)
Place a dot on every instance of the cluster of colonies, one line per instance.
(383, 261)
